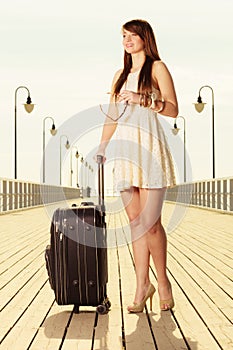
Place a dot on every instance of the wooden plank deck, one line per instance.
(199, 265)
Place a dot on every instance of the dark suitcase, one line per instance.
(76, 258)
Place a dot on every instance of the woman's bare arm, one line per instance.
(165, 84)
(109, 125)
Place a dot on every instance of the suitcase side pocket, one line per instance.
(50, 266)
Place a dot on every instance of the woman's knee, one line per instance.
(153, 227)
(134, 221)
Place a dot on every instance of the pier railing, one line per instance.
(15, 194)
(214, 193)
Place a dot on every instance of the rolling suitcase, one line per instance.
(76, 258)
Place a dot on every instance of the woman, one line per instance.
(143, 166)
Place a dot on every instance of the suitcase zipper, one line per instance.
(56, 250)
(59, 239)
(60, 259)
(85, 257)
(64, 261)
(97, 262)
(78, 260)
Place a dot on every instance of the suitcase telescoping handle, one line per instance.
(100, 161)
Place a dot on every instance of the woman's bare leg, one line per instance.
(156, 237)
(143, 208)
(131, 201)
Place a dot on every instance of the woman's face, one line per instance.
(132, 42)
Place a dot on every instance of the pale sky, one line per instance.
(66, 52)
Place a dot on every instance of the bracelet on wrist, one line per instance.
(153, 99)
(162, 106)
(150, 100)
(145, 100)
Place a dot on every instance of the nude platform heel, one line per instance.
(139, 307)
(169, 302)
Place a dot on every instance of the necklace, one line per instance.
(114, 119)
(122, 113)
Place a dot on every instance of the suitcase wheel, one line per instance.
(108, 304)
(101, 309)
(104, 307)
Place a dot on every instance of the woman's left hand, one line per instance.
(129, 97)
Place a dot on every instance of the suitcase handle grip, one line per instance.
(100, 158)
(100, 161)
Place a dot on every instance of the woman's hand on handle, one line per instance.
(100, 153)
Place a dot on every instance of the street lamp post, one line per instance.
(91, 170)
(89, 175)
(82, 186)
(88, 170)
(71, 166)
(29, 108)
(175, 131)
(86, 174)
(199, 106)
(67, 145)
(77, 157)
(53, 132)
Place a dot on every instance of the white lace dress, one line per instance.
(142, 156)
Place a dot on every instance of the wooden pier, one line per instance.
(200, 267)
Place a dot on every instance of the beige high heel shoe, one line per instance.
(169, 302)
(139, 307)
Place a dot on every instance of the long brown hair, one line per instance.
(144, 30)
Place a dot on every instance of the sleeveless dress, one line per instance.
(142, 156)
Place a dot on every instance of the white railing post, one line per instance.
(215, 193)
(204, 193)
(224, 195)
(218, 183)
(231, 194)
